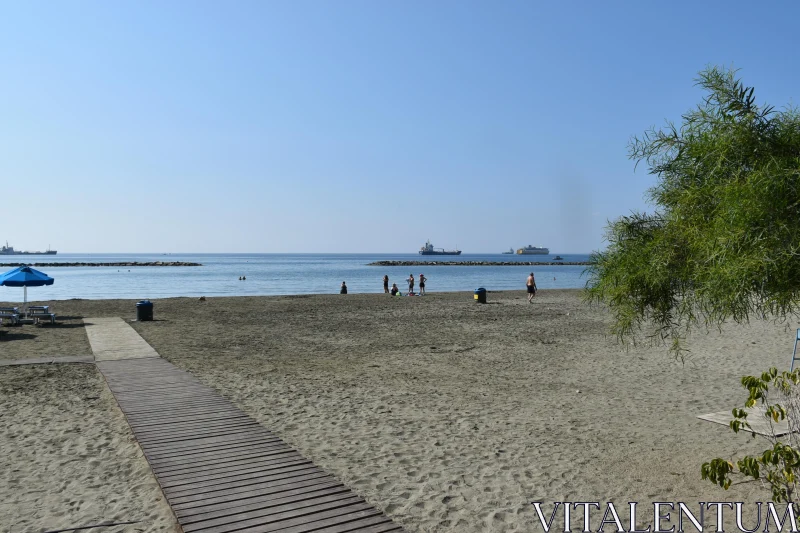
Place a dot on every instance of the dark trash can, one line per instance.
(480, 295)
(144, 310)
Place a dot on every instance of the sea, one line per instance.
(281, 274)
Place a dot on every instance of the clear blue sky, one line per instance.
(352, 126)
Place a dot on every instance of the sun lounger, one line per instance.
(41, 314)
(13, 318)
(44, 318)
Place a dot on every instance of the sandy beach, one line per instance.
(448, 415)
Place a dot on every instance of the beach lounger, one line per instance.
(44, 318)
(13, 318)
(41, 315)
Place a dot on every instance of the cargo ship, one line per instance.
(428, 249)
(533, 250)
(9, 250)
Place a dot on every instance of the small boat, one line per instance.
(510, 251)
(558, 258)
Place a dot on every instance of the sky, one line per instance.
(352, 126)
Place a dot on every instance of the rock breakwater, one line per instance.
(478, 263)
(119, 264)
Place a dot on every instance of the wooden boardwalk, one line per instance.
(220, 470)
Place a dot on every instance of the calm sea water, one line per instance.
(276, 274)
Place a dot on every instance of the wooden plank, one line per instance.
(210, 433)
(219, 437)
(167, 413)
(219, 458)
(301, 496)
(172, 407)
(188, 421)
(246, 443)
(305, 495)
(160, 433)
(320, 486)
(135, 390)
(229, 467)
(256, 516)
(312, 522)
(195, 482)
(262, 465)
(185, 420)
(188, 425)
(344, 523)
(284, 476)
(166, 390)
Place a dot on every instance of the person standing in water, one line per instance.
(410, 283)
(422, 280)
(386, 284)
(531, 284)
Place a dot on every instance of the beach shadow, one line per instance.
(59, 325)
(14, 336)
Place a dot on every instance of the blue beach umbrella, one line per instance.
(25, 276)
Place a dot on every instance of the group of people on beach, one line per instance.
(410, 280)
(394, 291)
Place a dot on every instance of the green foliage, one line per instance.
(724, 240)
(779, 465)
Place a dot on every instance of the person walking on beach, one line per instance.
(386, 284)
(531, 284)
(410, 283)
(343, 290)
(422, 280)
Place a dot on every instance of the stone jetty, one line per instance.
(478, 263)
(120, 264)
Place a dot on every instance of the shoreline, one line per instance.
(469, 293)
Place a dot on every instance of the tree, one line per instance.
(724, 239)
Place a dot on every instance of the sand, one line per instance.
(454, 416)
(69, 458)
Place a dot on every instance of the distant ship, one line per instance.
(558, 258)
(533, 250)
(510, 251)
(428, 249)
(9, 250)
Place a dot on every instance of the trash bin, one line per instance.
(480, 295)
(144, 310)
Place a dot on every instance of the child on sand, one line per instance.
(395, 290)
